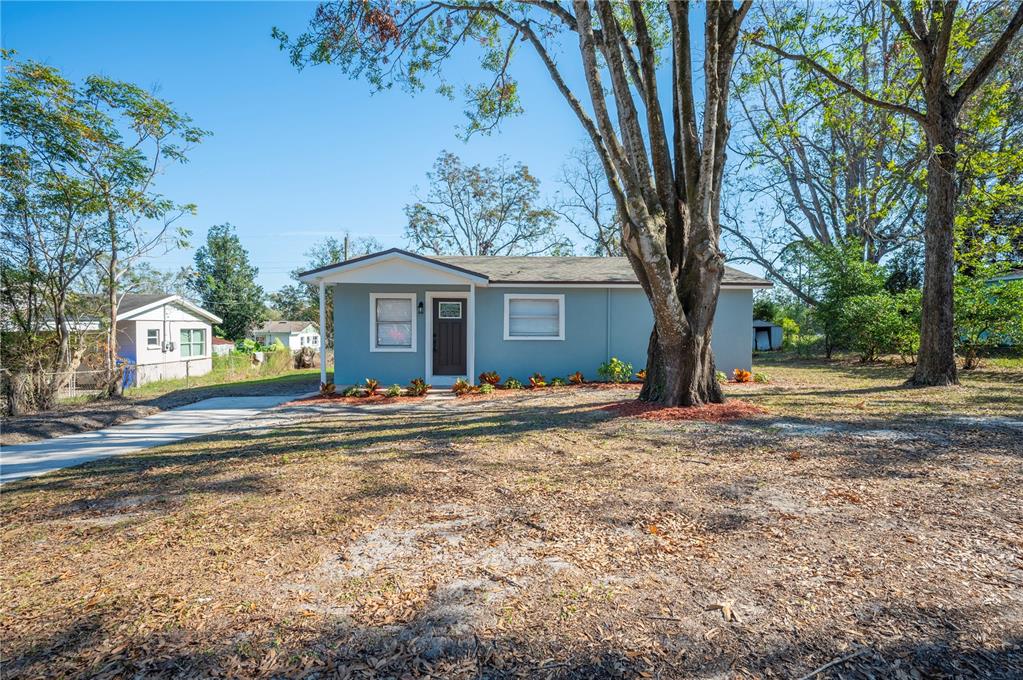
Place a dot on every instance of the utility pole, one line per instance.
(346, 247)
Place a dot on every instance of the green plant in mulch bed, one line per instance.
(393, 391)
(557, 382)
(418, 388)
(537, 380)
(512, 384)
(486, 388)
(615, 370)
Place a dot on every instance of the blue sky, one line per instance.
(294, 155)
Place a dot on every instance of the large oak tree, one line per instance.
(948, 75)
(664, 162)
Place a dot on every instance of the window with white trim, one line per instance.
(153, 337)
(193, 342)
(392, 322)
(534, 317)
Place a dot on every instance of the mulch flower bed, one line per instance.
(340, 399)
(733, 409)
(504, 392)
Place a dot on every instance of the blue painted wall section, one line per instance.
(599, 323)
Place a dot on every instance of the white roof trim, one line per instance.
(169, 300)
(369, 261)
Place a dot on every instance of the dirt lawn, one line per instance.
(876, 529)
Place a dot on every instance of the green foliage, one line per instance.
(393, 391)
(721, 376)
(246, 346)
(765, 308)
(352, 391)
(759, 377)
(790, 333)
(557, 382)
(537, 380)
(277, 362)
(615, 371)
(418, 388)
(836, 275)
(988, 313)
(486, 388)
(225, 282)
(513, 384)
(881, 323)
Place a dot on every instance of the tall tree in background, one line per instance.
(477, 210)
(949, 74)
(664, 168)
(51, 230)
(225, 282)
(300, 301)
(586, 203)
(820, 168)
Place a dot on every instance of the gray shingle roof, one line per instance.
(535, 269)
(569, 270)
(132, 302)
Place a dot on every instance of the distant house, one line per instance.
(399, 315)
(222, 346)
(766, 335)
(159, 336)
(292, 334)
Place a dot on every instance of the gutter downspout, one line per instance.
(607, 330)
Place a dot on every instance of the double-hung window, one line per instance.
(153, 337)
(534, 317)
(392, 322)
(193, 342)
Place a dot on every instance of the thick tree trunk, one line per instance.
(681, 375)
(936, 364)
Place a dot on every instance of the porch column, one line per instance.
(323, 333)
(470, 346)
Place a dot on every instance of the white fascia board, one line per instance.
(346, 272)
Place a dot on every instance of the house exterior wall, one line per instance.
(152, 363)
(599, 323)
(293, 341)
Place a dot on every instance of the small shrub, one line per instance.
(486, 388)
(393, 391)
(537, 380)
(641, 375)
(759, 377)
(352, 391)
(372, 386)
(512, 384)
(721, 377)
(577, 378)
(461, 386)
(616, 370)
(557, 382)
(418, 388)
(490, 378)
(327, 389)
(742, 376)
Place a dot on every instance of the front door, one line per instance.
(449, 336)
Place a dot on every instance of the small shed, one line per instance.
(766, 336)
(222, 346)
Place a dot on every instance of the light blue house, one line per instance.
(398, 316)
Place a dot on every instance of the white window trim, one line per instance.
(411, 297)
(508, 297)
(149, 343)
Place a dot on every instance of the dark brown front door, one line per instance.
(449, 336)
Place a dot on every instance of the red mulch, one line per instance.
(502, 392)
(339, 399)
(733, 409)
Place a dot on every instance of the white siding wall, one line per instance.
(155, 364)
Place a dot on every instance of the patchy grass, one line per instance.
(539, 535)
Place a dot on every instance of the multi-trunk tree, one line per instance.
(949, 69)
(663, 160)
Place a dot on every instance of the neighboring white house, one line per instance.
(163, 336)
(293, 334)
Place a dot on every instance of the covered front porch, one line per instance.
(397, 316)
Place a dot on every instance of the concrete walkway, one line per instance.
(202, 417)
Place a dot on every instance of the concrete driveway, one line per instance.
(202, 417)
